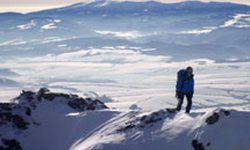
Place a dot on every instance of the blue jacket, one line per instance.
(185, 83)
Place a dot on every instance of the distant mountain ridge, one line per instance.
(105, 6)
(169, 28)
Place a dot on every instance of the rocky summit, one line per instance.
(18, 116)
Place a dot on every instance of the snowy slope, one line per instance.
(206, 129)
(44, 120)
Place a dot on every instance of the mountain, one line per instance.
(128, 53)
(172, 29)
(142, 8)
(57, 121)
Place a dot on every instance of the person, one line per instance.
(185, 88)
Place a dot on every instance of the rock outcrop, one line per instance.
(16, 117)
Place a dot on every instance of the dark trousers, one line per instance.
(189, 97)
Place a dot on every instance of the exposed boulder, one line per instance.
(212, 119)
(10, 144)
(197, 145)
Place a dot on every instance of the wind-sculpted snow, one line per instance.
(165, 130)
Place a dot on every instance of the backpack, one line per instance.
(181, 75)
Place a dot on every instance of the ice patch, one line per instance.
(62, 45)
(29, 25)
(239, 20)
(196, 31)
(129, 35)
(51, 25)
(13, 42)
(53, 39)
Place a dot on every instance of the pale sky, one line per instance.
(33, 5)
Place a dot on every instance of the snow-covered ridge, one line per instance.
(142, 6)
(47, 120)
(207, 129)
(27, 112)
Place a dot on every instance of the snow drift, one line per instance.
(57, 121)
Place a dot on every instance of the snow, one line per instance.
(238, 21)
(130, 35)
(27, 26)
(198, 32)
(14, 42)
(174, 132)
(48, 26)
(51, 25)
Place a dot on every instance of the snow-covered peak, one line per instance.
(33, 116)
(89, 2)
(134, 7)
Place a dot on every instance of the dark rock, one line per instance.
(33, 99)
(10, 144)
(86, 104)
(226, 112)
(130, 126)
(41, 93)
(28, 111)
(16, 120)
(17, 115)
(197, 145)
(5, 117)
(145, 120)
(19, 122)
(27, 95)
(52, 96)
(213, 118)
(78, 104)
(6, 106)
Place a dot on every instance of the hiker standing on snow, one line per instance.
(185, 88)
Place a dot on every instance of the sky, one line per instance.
(34, 5)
